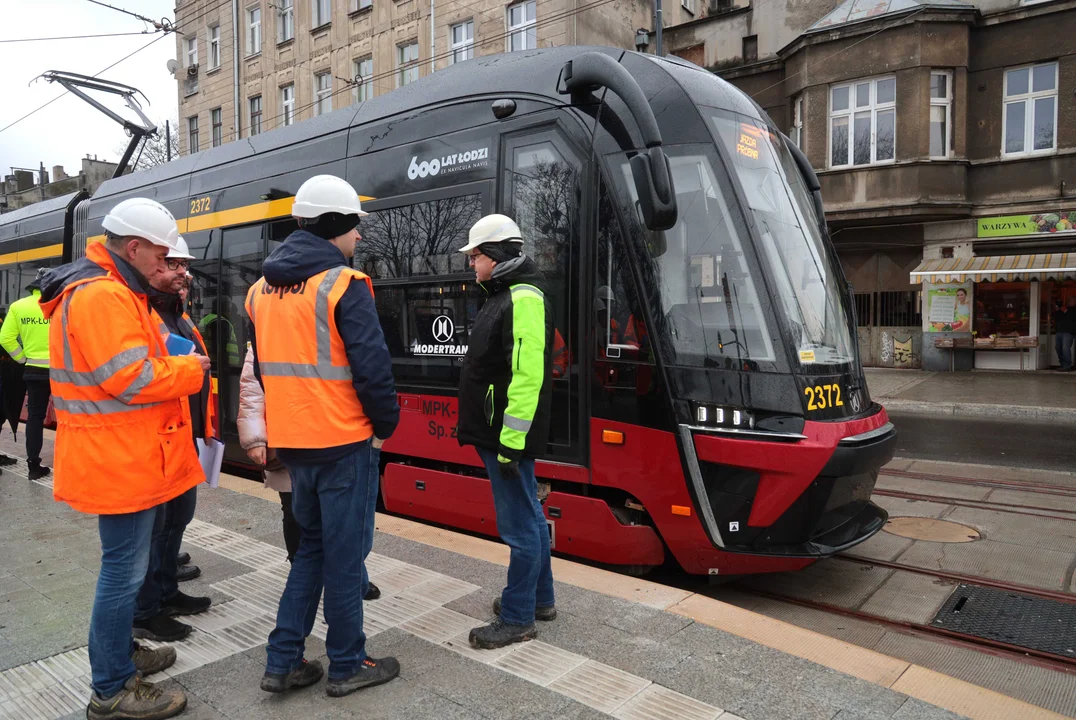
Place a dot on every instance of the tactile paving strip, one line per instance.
(601, 687)
(660, 703)
(440, 625)
(1009, 617)
(539, 662)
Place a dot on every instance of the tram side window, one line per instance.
(9, 286)
(417, 240)
(205, 247)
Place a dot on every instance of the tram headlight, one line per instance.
(720, 416)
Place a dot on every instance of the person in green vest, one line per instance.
(25, 337)
(231, 346)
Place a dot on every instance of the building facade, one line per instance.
(21, 188)
(285, 61)
(944, 136)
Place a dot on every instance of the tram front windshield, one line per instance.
(791, 244)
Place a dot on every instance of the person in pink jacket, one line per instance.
(252, 438)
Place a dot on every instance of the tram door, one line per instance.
(544, 190)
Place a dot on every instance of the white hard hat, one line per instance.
(490, 229)
(325, 194)
(180, 251)
(143, 218)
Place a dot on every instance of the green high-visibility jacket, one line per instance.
(25, 332)
(231, 346)
(506, 387)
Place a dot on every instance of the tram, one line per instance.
(709, 403)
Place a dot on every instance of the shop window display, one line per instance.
(1003, 309)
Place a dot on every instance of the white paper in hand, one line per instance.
(211, 455)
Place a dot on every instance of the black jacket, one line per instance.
(169, 307)
(508, 366)
(302, 256)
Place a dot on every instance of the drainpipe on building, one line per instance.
(235, 65)
(433, 41)
(657, 25)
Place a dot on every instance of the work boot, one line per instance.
(6, 460)
(498, 634)
(138, 700)
(372, 593)
(183, 558)
(161, 628)
(36, 472)
(187, 572)
(305, 675)
(545, 614)
(182, 604)
(371, 672)
(148, 661)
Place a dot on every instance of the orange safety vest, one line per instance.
(309, 399)
(123, 424)
(212, 413)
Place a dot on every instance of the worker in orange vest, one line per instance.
(330, 403)
(160, 598)
(123, 442)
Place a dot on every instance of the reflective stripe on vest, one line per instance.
(98, 376)
(323, 369)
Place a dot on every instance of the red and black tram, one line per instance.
(709, 403)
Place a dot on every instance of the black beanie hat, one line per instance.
(501, 251)
(330, 225)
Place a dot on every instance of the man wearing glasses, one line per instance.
(160, 599)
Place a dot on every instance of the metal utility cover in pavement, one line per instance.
(1009, 617)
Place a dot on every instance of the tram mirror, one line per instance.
(654, 186)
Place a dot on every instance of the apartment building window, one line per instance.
(357, 5)
(863, 122)
(287, 104)
(217, 122)
(285, 20)
(462, 37)
(192, 135)
(254, 30)
(406, 63)
(214, 47)
(941, 103)
(523, 26)
(796, 131)
(321, 11)
(363, 76)
(192, 51)
(323, 93)
(255, 115)
(1030, 117)
(688, 5)
(750, 49)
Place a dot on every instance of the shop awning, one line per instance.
(1049, 266)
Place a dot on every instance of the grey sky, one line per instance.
(68, 129)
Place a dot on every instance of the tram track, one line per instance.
(1030, 487)
(996, 648)
(1011, 508)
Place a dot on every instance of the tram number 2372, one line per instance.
(821, 397)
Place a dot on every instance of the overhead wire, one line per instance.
(78, 37)
(125, 57)
(162, 24)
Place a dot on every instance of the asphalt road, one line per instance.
(986, 442)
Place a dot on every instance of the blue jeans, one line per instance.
(522, 525)
(168, 527)
(334, 505)
(125, 544)
(1064, 349)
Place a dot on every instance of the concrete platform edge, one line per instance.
(915, 681)
(979, 410)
